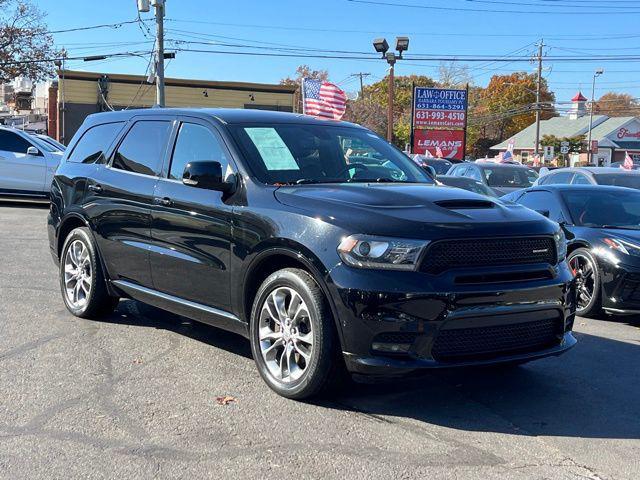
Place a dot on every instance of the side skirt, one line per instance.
(196, 311)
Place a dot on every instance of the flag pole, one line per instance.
(302, 95)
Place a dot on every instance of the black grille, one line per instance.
(447, 254)
(396, 337)
(487, 342)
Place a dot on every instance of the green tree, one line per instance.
(24, 37)
(376, 99)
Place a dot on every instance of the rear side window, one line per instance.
(562, 178)
(12, 142)
(142, 149)
(94, 142)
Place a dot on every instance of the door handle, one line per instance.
(165, 201)
(95, 188)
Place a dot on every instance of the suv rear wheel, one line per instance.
(292, 334)
(82, 280)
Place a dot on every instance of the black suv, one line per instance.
(268, 224)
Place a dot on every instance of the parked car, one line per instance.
(467, 184)
(636, 165)
(440, 165)
(602, 226)
(502, 178)
(592, 176)
(54, 143)
(27, 165)
(255, 222)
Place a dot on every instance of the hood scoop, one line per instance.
(465, 204)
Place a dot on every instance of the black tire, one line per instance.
(97, 302)
(323, 367)
(585, 282)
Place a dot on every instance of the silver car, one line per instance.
(27, 164)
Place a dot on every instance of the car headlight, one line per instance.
(623, 246)
(364, 251)
(561, 244)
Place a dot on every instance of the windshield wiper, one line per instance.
(622, 227)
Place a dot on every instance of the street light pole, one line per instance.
(390, 103)
(596, 74)
(381, 46)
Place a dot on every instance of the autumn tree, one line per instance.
(506, 106)
(24, 38)
(303, 71)
(617, 105)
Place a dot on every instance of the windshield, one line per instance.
(42, 144)
(57, 145)
(468, 184)
(516, 177)
(298, 154)
(592, 208)
(623, 179)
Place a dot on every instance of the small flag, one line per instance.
(511, 145)
(536, 160)
(507, 156)
(439, 153)
(323, 99)
(628, 162)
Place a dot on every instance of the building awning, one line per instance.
(628, 145)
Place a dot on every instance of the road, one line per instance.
(134, 396)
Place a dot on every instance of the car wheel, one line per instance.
(588, 292)
(82, 280)
(292, 335)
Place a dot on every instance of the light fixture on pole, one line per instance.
(596, 74)
(381, 46)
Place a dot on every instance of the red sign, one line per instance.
(451, 142)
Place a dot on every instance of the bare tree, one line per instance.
(453, 75)
(24, 41)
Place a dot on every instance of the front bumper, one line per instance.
(437, 323)
(620, 287)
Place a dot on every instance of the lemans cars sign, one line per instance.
(439, 108)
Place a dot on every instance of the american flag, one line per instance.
(439, 153)
(323, 99)
(628, 162)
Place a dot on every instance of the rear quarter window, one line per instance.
(94, 142)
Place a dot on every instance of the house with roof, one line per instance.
(615, 135)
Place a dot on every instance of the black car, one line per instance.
(467, 184)
(592, 176)
(260, 223)
(502, 178)
(602, 226)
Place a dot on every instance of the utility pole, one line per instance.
(538, 93)
(159, 7)
(361, 75)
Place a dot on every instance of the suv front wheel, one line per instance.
(292, 334)
(82, 280)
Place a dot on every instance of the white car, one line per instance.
(27, 164)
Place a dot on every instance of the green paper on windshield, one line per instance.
(274, 152)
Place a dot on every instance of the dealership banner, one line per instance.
(441, 108)
(451, 142)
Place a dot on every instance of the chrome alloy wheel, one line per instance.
(77, 274)
(583, 270)
(285, 334)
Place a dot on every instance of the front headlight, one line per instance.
(623, 246)
(561, 244)
(364, 251)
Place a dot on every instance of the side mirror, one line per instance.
(207, 175)
(544, 213)
(33, 151)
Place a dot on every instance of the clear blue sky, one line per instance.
(352, 26)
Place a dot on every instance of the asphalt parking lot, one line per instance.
(134, 396)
